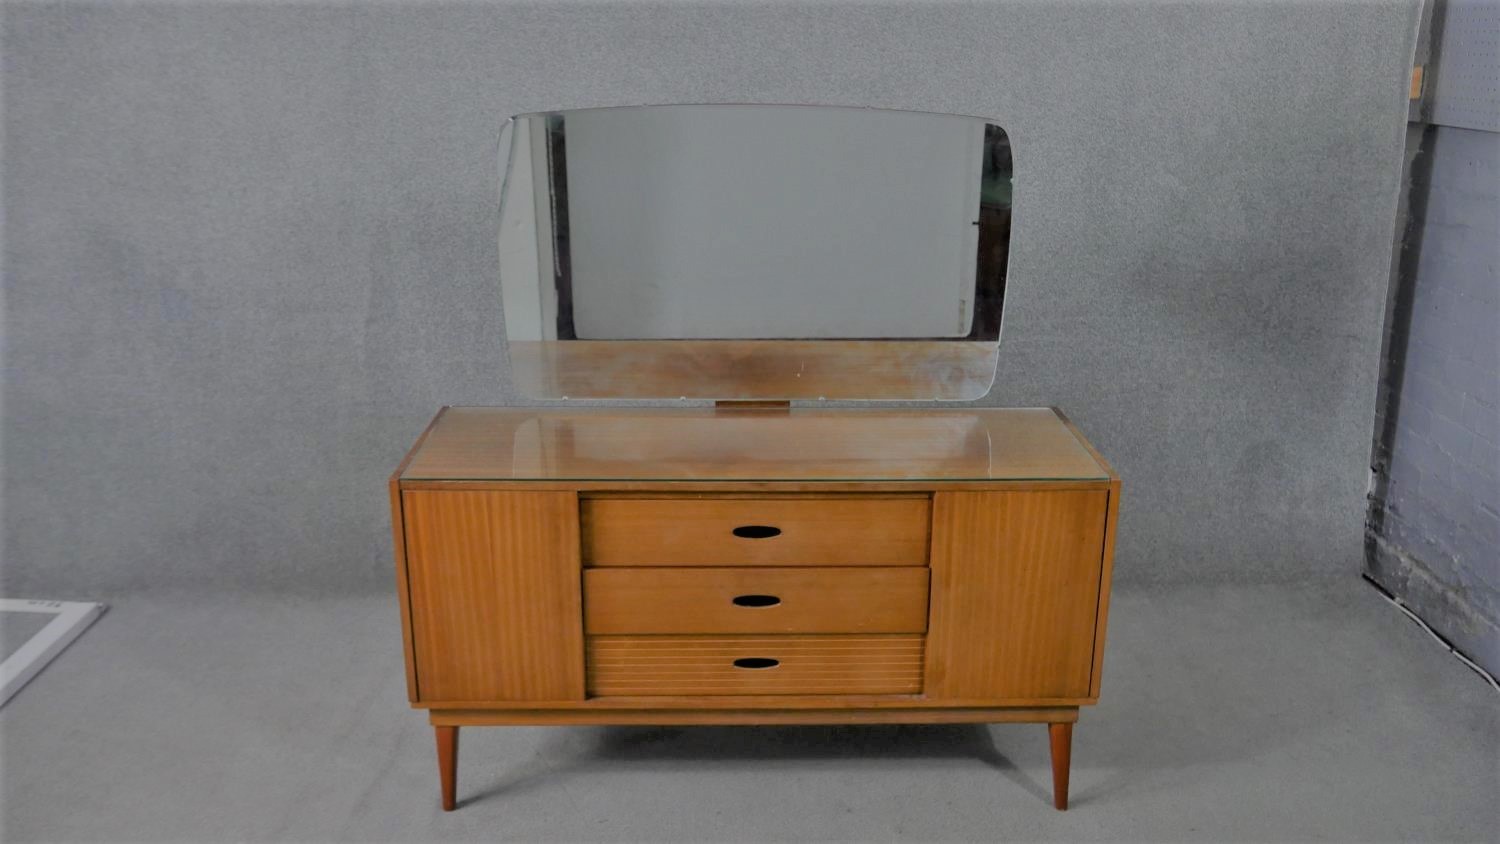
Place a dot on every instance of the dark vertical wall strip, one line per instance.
(1433, 532)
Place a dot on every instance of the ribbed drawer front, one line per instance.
(754, 665)
(769, 531)
(755, 600)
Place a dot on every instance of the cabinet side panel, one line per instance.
(1107, 568)
(494, 581)
(398, 542)
(1015, 593)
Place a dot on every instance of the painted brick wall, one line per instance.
(1435, 531)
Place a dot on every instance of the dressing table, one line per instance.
(751, 562)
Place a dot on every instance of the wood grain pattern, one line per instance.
(1060, 741)
(702, 600)
(447, 753)
(752, 717)
(705, 665)
(1106, 576)
(1015, 593)
(902, 700)
(704, 444)
(892, 370)
(495, 596)
(1083, 442)
(398, 545)
(1015, 510)
(403, 595)
(878, 531)
(1107, 554)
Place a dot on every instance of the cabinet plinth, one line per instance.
(804, 567)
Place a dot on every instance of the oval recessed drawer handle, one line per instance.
(756, 531)
(756, 600)
(756, 662)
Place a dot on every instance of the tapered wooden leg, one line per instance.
(1062, 752)
(447, 747)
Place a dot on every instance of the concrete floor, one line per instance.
(1228, 714)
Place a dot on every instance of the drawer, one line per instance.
(755, 600)
(754, 665)
(770, 531)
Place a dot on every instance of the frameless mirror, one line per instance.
(753, 252)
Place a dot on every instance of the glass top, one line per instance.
(745, 252)
(707, 444)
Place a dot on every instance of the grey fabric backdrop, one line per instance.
(249, 249)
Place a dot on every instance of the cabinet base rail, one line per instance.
(446, 724)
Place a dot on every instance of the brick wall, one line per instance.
(1434, 532)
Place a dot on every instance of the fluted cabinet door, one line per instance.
(494, 585)
(1015, 593)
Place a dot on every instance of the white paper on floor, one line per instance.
(33, 633)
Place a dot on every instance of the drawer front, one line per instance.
(754, 665)
(772, 531)
(755, 600)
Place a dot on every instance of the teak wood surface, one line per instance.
(780, 600)
(495, 598)
(623, 448)
(706, 665)
(751, 717)
(1018, 572)
(1060, 741)
(567, 566)
(809, 532)
(447, 751)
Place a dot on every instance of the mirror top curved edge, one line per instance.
(753, 252)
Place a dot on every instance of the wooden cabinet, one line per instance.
(765, 530)
(492, 579)
(755, 600)
(775, 577)
(791, 664)
(1015, 594)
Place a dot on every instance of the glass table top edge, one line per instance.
(599, 445)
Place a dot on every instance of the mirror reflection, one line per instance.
(716, 251)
